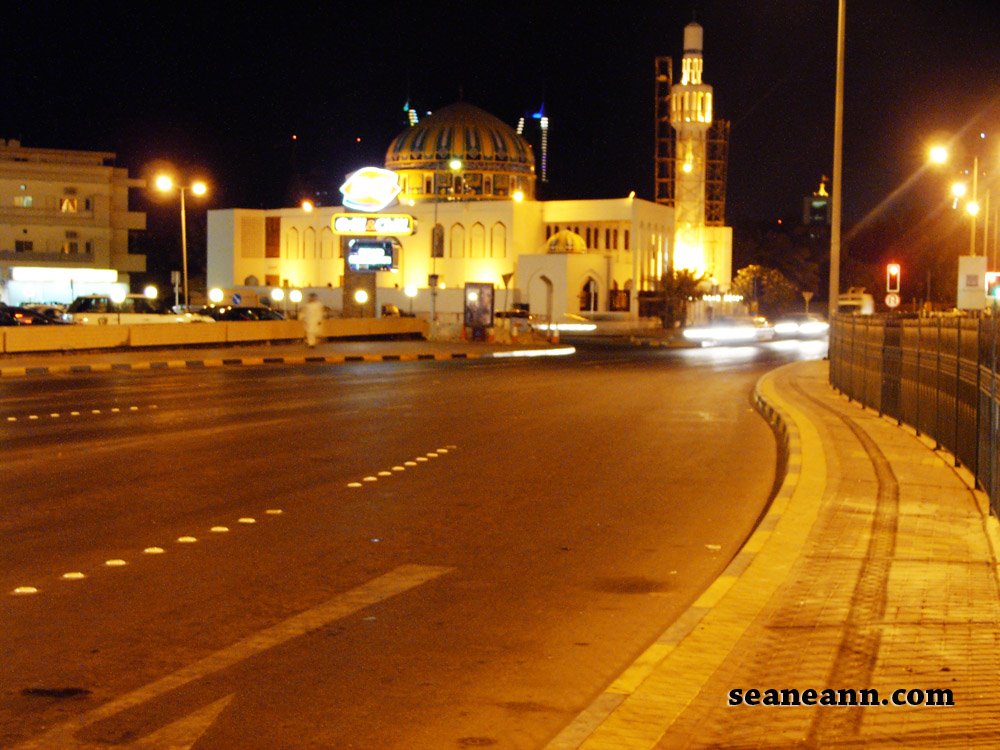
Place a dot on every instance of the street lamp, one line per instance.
(164, 183)
(960, 190)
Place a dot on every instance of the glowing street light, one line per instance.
(164, 183)
(938, 154)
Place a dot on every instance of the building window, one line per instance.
(67, 205)
(88, 247)
(22, 201)
(71, 247)
(23, 246)
(88, 205)
(626, 240)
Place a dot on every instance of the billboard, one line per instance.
(370, 255)
(971, 282)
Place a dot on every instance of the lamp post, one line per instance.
(838, 159)
(164, 183)
(960, 190)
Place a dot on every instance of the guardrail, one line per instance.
(938, 375)
(73, 337)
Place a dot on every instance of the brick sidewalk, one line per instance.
(874, 568)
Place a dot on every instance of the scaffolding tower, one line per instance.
(664, 159)
(664, 156)
(716, 160)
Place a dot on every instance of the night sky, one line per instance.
(219, 90)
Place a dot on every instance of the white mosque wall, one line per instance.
(484, 240)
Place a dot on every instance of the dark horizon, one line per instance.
(222, 94)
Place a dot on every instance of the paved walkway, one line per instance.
(874, 569)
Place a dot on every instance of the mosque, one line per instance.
(454, 208)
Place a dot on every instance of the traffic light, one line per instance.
(892, 278)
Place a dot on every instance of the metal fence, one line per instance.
(938, 375)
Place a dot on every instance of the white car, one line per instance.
(801, 326)
(730, 330)
(100, 309)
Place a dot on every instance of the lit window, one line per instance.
(22, 201)
(67, 205)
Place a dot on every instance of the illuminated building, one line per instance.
(690, 164)
(64, 224)
(469, 179)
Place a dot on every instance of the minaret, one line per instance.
(690, 117)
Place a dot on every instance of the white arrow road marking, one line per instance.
(396, 581)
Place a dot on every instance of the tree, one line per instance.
(677, 287)
(767, 289)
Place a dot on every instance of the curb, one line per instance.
(173, 364)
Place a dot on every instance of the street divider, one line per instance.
(82, 337)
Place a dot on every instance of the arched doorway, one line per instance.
(588, 296)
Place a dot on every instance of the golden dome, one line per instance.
(465, 132)
(566, 241)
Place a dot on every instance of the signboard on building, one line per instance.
(372, 225)
(370, 189)
(971, 282)
(370, 255)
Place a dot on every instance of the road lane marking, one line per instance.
(183, 733)
(396, 581)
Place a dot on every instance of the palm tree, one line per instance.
(677, 288)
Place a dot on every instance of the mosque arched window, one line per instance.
(326, 244)
(309, 243)
(477, 241)
(498, 241)
(456, 241)
(292, 243)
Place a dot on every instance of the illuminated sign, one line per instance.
(370, 255)
(372, 224)
(370, 189)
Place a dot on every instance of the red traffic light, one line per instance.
(892, 273)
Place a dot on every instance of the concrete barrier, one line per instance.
(71, 337)
(59, 338)
(263, 330)
(176, 334)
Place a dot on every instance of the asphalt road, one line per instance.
(392, 555)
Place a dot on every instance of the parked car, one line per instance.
(100, 309)
(240, 312)
(26, 316)
(48, 310)
(801, 326)
(728, 329)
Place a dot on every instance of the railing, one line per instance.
(938, 375)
